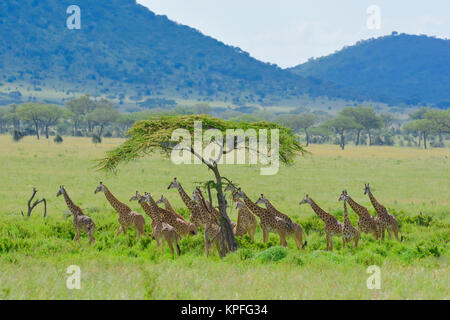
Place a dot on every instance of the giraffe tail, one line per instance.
(178, 249)
(305, 244)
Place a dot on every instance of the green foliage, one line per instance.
(147, 136)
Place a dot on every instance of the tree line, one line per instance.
(85, 116)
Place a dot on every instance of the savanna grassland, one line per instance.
(35, 253)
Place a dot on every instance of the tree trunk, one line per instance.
(424, 140)
(225, 224)
(101, 131)
(342, 140)
(36, 126)
(370, 138)
(46, 131)
(307, 136)
(357, 137)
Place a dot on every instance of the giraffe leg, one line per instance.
(77, 235)
(252, 232)
(356, 240)
(91, 235)
(396, 231)
(389, 232)
(328, 241)
(169, 243)
(119, 230)
(265, 235)
(343, 242)
(331, 242)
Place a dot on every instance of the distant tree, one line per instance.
(79, 108)
(13, 117)
(50, 114)
(341, 124)
(441, 121)
(102, 115)
(322, 133)
(33, 112)
(366, 118)
(423, 127)
(202, 108)
(298, 122)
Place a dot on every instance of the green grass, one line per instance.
(35, 253)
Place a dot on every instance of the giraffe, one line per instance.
(267, 221)
(246, 222)
(295, 230)
(332, 225)
(160, 230)
(384, 219)
(80, 220)
(212, 229)
(127, 217)
(182, 226)
(366, 223)
(168, 206)
(349, 232)
(197, 215)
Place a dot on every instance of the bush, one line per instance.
(273, 254)
(96, 138)
(58, 139)
(18, 135)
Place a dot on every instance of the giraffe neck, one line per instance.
(168, 205)
(150, 211)
(375, 203)
(251, 205)
(346, 219)
(186, 199)
(319, 211)
(72, 206)
(116, 204)
(355, 206)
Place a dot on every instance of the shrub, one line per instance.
(58, 139)
(273, 254)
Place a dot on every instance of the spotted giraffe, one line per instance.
(127, 217)
(366, 223)
(384, 219)
(267, 221)
(197, 217)
(168, 206)
(246, 222)
(169, 216)
(212, 229)
(349, 232)
(160, 230)
(294, 229)
(80, 220)
(332, 225)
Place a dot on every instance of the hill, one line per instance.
(394, 69)
(124, 49)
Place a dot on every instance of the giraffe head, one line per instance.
(161, 200)
(239, 194)
(174, 184)
(239, 204)
(100, 188)
(344, 196)
(61, 191)
(262, 199)
(137, 197)
(147, 197)
(306, 199)
(366, 188)
(229, 187)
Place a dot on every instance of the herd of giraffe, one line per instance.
(169, 226)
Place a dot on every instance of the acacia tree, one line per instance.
(32, 112)
(341, 124)
(148, 136)
(50, 114)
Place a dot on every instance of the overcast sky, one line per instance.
(289, 32)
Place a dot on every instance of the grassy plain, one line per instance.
(34, 254)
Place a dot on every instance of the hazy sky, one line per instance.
(289, 32)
